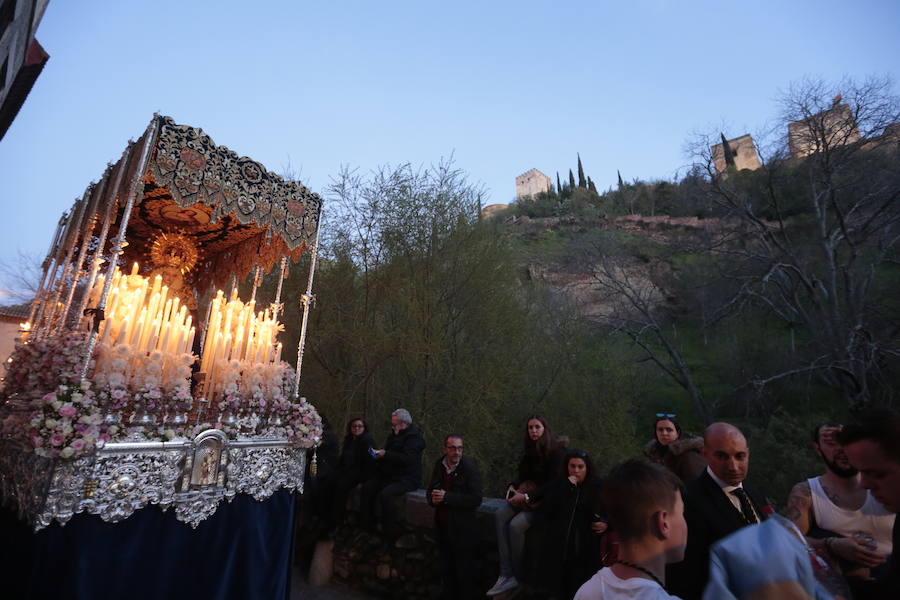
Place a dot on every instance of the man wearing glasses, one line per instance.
(455, 492)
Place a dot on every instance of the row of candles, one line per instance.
(235, 332)
(143, 314)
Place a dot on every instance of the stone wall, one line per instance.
(407, 568)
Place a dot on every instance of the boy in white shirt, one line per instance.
(645, 509)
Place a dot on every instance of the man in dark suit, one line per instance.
(715, 505)
(455, 493)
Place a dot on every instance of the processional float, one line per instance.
(141, 376)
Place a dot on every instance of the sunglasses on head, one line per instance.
(577, 454)
(667, 415)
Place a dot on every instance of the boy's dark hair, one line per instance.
(635, 490)
(878, 425)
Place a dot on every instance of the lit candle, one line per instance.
(163, 338)
(123, 332)
(154, 335)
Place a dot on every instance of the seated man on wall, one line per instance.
(398, 470)
(455, 494)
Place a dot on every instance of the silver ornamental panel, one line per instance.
(191, 476)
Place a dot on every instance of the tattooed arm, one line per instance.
(799, 507)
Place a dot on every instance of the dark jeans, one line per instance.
(343, 484)
(383, 494)
(459, 566)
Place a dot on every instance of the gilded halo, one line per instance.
(174, 250)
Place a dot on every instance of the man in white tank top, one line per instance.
(856, 527)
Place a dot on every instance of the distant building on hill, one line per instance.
(837, 124)
(743, 152)
(532, 183)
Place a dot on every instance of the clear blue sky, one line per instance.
(504, 86)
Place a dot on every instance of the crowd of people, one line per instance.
(679, 522)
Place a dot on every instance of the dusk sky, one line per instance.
(502, 86)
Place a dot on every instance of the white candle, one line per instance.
(123, 332)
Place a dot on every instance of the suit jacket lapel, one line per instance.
(729, 515)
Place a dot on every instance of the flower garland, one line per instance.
(131, 391)
(67, 422)
(40, 365)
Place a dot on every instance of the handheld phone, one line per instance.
(372, 452)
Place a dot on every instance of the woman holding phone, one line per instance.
(540, 464)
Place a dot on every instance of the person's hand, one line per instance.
(379, 454)
(855, 552)
(599, 526)
(437, 495)
(572, 479)
(517, 500)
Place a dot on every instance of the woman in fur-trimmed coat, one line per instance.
(677, 451)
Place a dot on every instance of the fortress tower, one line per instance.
(532, 183)
(743, 152)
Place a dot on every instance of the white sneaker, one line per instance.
(504, 584)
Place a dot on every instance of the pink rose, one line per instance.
(57, 439)
(77, 445)
(67, 410)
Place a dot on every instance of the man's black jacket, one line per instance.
(462, 498)
(710, 516)
(402, 460)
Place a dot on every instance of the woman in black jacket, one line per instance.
(355, 466)
(571, 521)
(539, 466)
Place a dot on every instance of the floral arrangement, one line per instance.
(148, 395)
(45, 364)
(67, 422)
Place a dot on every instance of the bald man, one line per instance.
(716, 504)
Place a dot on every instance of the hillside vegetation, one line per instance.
(766, 298)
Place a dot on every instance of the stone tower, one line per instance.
(743, 151)
(532, 183)
(837, 125)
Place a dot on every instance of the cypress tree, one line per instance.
(726, 150)
(558, 184)
(581, 181)
(621, 183)
(591, 185)
(571, 180)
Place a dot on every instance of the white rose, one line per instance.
(66, 452)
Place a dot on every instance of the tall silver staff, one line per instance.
(49, 260)
(307, 299)
(141, 166)
(108, 204)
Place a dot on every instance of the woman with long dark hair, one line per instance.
(540, 463)
(572, 520)
(677, 451)
(354, 466)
